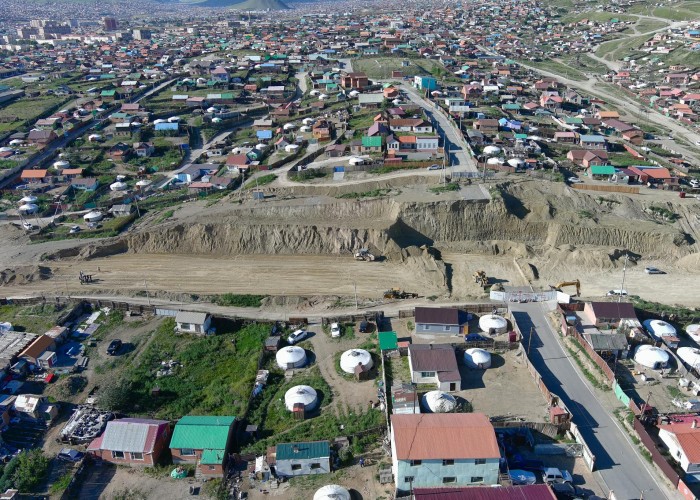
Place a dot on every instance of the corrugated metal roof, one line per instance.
(196, 318)
(437, 316)
(444, 436)
(313, 449)
(131, 435)
(529, 492)
(212, 457)
(201, 433)
(613, 310)
(387, 340)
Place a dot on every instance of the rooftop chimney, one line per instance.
(694, 425)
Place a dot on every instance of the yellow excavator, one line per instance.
(575, 283)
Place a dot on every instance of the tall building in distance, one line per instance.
(142, 34)
(109, 23)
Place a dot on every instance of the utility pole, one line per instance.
(624, 272)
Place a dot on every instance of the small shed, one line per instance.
(272, 343)
(388, 341)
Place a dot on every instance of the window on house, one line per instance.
(479, 461)
(416, 462)
(212, 467)
(185, 326)
(136, 456)
(426, 327)
(448, 462)
(449, 479)
(296, 466)
(446, 328)
(477, 479)
(315, 466)
(427, 374)
(117, 454)
(408, 479)
(187, 452)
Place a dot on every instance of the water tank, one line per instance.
(353, 357)
(438, 402)
(118, 186)
(301, 394)
(5, 326)
(353, 93)
(651, 357)
(492, 150)
(332, 492)
(28, 208)
(291, 357)
(93, 216)
(143, 183)
(61, 164)
(690, 355)
(477, 358)
(211, 110)
(493, 323)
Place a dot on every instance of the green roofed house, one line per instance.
(601, 171)
(204, 441)
(372, 144)
(300, 459)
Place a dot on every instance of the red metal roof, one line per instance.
(530, 492)
(444, 436)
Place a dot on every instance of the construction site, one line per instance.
(321, 247)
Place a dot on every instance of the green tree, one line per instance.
(31, 470)
(115, 394)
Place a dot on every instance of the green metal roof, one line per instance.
(107, 93)
(602, 170)
(313, 449)
(372, 142)
(201, 433)
(387, 340)
(212, 457)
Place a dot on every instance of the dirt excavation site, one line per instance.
(302, 245)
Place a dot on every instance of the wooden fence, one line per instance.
(656, 455)
(571, 331)
(607, 189)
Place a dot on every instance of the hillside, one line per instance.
(253, 5)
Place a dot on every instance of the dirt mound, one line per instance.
(24, 274)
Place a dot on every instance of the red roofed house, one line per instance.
(132, 441)
(683, 443)
(33, 175)
(443, 449)
(525, 492)
(654, 175)
(33, 351)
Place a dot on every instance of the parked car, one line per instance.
(551, 475)
(520, 476)
(615, 293)
(335, 330)
(567, 491)
(70, 455)
(74, 229)
(574, 180)
(434, 167)
(297, 336)
(694, 183)
(28, 226)
(653, 270)
(114, 347)
(474, 337)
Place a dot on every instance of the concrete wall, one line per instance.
(284, 467)
(430, 473)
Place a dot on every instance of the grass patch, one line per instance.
(260, 181)
(381, 67)
(375, 193)
(592, 378)
(34, 319)
(61, 484)
(215, 378)
(236, 300)
(585, 214)
(165, 216)
(663, 213)
(450, 186)
(307, 175)
(556, 67)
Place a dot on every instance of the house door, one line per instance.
(453, 386)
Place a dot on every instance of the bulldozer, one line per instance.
(397, 293)
(481, 278)
(364, 254)
(575, 283)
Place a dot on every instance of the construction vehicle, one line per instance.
(481, 278)
(575, 283)
(397, 293)
(364, 254)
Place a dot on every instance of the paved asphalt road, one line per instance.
(618, 464)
